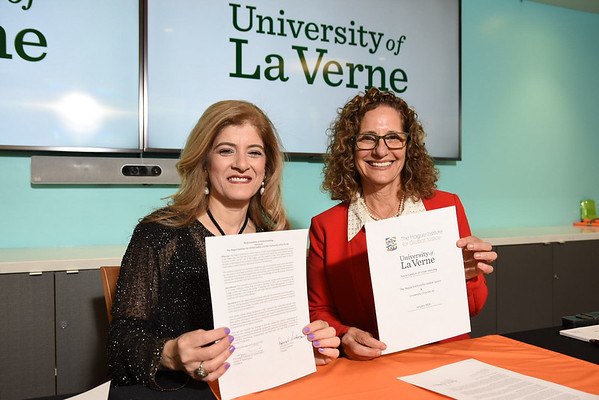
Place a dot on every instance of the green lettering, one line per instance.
(238, 61)
(371, 71)
(393, 80)
(20, 43)
(279, 68)
(327, 70)
(352, 70)
(300, 52)
(311, 28)
(3, 53)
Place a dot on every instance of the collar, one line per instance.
(358, 216)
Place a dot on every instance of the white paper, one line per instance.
(418, 278)
(97, 393)
(258, 289)
(585, 333)
(472, 379)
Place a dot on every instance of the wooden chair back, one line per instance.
(110, 275)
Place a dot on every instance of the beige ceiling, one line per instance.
(581, 5)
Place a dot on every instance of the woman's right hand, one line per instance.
(360, 345)
(208, 349)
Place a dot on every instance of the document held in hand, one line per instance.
(258, 290)
(418, 278)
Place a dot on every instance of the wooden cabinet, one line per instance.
(534, 285)
(53, 333)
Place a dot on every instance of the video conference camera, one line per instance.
(141, 170)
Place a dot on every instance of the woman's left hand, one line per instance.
(477, 256)
(324, 340)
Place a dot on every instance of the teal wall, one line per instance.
(530, 140)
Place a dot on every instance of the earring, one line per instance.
(206, 191)
(262, 188)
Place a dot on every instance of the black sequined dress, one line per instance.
(162, 292)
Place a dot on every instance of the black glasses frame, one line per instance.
(377, 138)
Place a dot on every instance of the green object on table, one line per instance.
(587, 210)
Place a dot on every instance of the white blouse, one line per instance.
(358, 215)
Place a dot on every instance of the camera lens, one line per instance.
(156, 170)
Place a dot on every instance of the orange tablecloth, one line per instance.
(377, 379)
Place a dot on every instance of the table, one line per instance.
(377, 379)
(549, 338)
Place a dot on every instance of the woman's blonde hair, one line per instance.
(341, 178)
(190, 201)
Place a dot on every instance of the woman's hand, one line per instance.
(192, 350)
(324, 340)
(360, 345)
(477, 256)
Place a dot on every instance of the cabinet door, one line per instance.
(576, 278)
(485, 323)
(81, 331)
(26, 336)
(524, 287)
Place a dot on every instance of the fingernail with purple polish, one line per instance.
(306, 330)
(311, 336)
(227, 331)
(231, 338)
(231, 349)
(227, 365)
(316, 343)
(321, 349)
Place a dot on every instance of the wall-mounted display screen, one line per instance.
(70, 71)
(300, 61)
(69, 75)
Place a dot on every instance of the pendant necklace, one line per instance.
(247, 217)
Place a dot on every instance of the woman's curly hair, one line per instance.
(341, 178)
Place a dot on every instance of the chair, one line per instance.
(110, 276)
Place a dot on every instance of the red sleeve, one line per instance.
(319, 296)
(476, 287)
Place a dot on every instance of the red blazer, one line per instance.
(339, 286)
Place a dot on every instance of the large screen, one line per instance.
(70, 71)
(69, 75)
(300, 61)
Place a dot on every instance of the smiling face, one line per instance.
(236, 165)
(380, 167)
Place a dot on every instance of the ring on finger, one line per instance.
(201, 371)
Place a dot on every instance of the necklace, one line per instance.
(371, 212)
(247, 217)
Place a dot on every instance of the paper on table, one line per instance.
(418, 278)
(472, 379)
(585, 333)
(97, 393)
(258, 290)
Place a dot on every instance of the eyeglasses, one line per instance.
(393, 140)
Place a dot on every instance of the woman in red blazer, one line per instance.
(378, 167)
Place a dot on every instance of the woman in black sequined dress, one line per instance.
(230, 171)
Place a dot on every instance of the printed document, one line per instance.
(418, 278)
(585, 333)
(258, 290)
(472, 379)
(98, 393)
